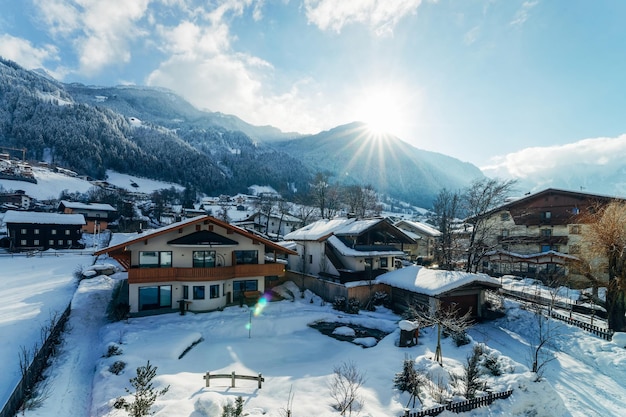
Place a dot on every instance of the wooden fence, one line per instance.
(208, 376)
(460, 406)
(605, 334)
(32, 374)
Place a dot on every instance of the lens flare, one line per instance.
(260, 305)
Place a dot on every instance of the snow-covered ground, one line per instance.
(588, 377)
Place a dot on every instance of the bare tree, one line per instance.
(478, 199)
(446, 208)
(344, 388)
(541, 340)
(361, 200)
(447, 319)
(603, 258)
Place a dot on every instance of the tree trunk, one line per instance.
(616, 306)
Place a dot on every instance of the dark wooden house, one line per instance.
(27, 230)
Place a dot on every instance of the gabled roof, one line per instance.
(203, 238)
(433, 282)
(35, 217)
(420, 227)
(322, 229)
(87, 206)
(120, 247)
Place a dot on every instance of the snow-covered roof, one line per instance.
(87, 206)
(319, 229)
(432, 282)
(347, 251)
(35, 217)
(420, 227)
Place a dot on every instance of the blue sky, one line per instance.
(492, 82)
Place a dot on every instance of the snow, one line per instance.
(586, 378)
(432, 282)
(51, 184)
(31, 217)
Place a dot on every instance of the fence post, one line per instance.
(232, 380)
(260, 377)
(208, 379)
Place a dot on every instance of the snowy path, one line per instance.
(588, 373)
(69, 380)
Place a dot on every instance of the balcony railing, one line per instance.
(149, 275)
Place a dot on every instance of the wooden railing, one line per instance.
(144, 275)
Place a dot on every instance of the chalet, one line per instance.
(539, 234)
(425, 237)
(274, 225)
(347, 249)
(202, 263)
(17, 200)
(418, 286)
(41, 231)
(97, 215)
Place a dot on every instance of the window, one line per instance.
(504, 217)
(240, 286)
(546, 232)
(574, 229)
(23, 231)
(51, 242)
(245, 257)
(204, 259)
(186, 292)
(36, 242)
(214, 291)
(546, 215)
(575, 210)
(53, 231)
(36, 231)
(23, 242)
(198, 292)
(60, 242)
(69, 242)
(154, 259)
(67, 232)
(155, 297)
(505, 232)
(384, 262)
(310, 259)
(546, 248)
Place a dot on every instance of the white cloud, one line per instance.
(380, 15)
(23, 52)
(101, 32)
(591, 155)
(522, 15)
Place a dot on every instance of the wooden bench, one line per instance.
(251, 296)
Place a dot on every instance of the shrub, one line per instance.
(339, 303)
(113, 350)
(117, 367)
(235, 410)
(145, 394)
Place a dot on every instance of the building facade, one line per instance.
(28, 230)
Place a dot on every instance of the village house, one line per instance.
(425, 236)
(27, 230)
(538, 235)
(197, 264)
(347, 249)
(275, 226)
(97, 215)
(17, 200)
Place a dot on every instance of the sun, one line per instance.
(385, 109)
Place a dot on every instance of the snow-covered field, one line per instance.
(587, 377)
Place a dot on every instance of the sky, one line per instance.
(586, 377)
(492, 82)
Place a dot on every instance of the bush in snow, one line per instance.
(145, 394)
(117, 367)
(235, 410)
(112, 350)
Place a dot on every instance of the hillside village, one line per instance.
(175, 255)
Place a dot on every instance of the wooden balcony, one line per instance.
(150, 275)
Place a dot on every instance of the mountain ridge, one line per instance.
(154, 133)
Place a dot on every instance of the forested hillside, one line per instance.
(154, 133)
(42, 116)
